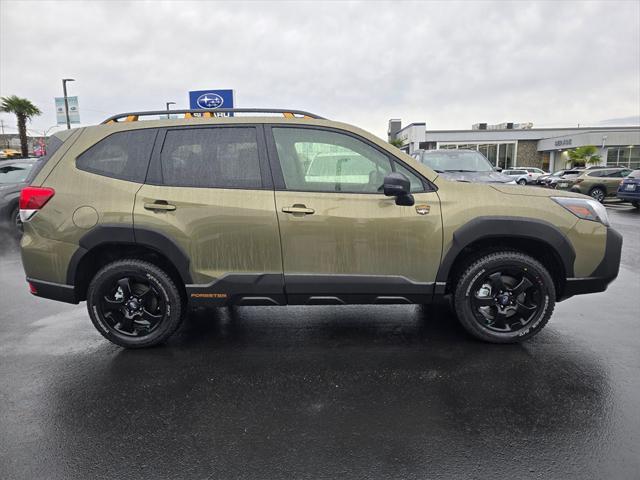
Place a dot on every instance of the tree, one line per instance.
(24, 110)
(396, 142)
(583, 155)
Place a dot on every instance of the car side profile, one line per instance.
(144, 219)
(597, 183)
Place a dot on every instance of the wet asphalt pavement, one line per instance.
(323, 392)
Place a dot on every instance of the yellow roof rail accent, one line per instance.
(288, 115)
(188, 115)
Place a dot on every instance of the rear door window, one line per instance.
(215, 157)
(122, 155)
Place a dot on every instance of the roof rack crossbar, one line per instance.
(133, 116)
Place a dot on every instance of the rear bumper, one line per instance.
(605, 273)
(629, 196)
(53, 291)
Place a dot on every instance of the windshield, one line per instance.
(14, 173)
(456, 161)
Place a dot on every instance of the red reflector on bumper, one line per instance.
(32, 289)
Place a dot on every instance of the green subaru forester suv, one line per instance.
(143, 219)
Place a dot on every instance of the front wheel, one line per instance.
(504, 297)
(522, 181)
(598, 194)
(134, 303)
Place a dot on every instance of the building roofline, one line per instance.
(581, 129)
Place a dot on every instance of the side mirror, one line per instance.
(497, 169)
(398, 185)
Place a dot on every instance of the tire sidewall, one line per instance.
(485, 266)
(155, 277)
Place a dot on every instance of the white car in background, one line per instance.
(521, 177)
(535, 172)
(525, 175)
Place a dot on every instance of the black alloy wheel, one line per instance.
(134, 303)
(132, 306)
(506, 300)
(504, 297)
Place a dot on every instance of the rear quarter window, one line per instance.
(122, 155)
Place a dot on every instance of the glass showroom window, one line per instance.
(499, 154)
(624, 157)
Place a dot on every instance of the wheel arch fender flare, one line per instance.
(126, 235)
(513, 228)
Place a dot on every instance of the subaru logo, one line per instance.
(209, 100)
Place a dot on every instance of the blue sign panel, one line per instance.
(202, 99)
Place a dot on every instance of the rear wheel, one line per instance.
(504, 297)
(16, 221)
(597, 193)
(134, 303)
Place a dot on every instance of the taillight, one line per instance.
(33, 199)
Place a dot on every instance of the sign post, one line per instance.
(206, 99)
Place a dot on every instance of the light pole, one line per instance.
(169, 103)
(66, 100)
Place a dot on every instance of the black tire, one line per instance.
(522, 181)
(636, 204)
(598, 193)
(486, 317)
(16, 223)
(134, 303)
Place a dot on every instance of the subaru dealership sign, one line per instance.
(202, 99)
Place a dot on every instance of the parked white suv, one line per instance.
(525, 175)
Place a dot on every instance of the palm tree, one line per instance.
(581, 155)
(396, 142)
(24, 110)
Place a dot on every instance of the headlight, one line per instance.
(584, 208)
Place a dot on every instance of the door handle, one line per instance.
(299, 209)
(160, 205)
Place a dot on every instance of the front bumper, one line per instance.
(605, 273)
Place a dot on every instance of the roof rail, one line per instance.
(208, 112)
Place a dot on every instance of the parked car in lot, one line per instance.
(598, 183)
(629, 188)
(552, 180)
(145, 219)
(461, 165)
(521, 177)
(535, 172)
(8, 153)
(13, 177)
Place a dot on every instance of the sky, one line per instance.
(449, 64)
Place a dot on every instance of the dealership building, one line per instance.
(510, 145)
